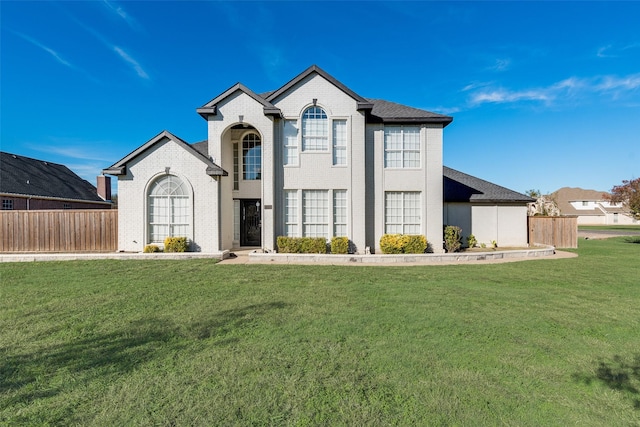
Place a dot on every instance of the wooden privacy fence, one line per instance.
(59, 231)
(558, 231)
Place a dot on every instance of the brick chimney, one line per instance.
(104, 187)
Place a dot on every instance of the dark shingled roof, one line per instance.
(31, 177)
(460, 187)
(387, 111)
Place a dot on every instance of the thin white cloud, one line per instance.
(612, 51)
(120, 12)
(135, 64)
(72, 148)
(122, 54)
(47, 49)
(500, 64)
(573, 87)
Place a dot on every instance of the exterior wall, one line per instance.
(34, 203)
(592, 219)
(315, 170)
(459, 214)
(620, 219)
(240, 108)
(132, 195)
(507, 225)
(428, 180)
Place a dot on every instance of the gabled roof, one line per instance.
(460, 187)
(377, 110)
(565, 195)
(391, 112)
(24, 176)
(363, 103)
(577, 194)
(211, 107)
(119, 168)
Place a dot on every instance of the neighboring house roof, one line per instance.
(119, 168)
(377, 110)
(566, 195)
(24, 176)
(460, 187)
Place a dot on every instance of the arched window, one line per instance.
(168, 207)
(251, 157)
(315, 130)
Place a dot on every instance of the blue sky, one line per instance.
(543, 94)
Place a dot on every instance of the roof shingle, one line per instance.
(31, 177)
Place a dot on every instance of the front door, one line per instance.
(250, 223)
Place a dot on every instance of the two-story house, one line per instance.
(312, 158)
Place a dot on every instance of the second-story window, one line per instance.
(401, 147)
(251, 157)
(315, 130)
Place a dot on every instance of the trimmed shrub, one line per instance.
(452, 238)
(339, 245)
(149, 249)
(391, 243)
(301, 245)
(416, 244)
(175, 244)
(289, 245)
(402, 244)
(314, 245)
(472, 241)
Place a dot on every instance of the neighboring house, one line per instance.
(312, 158)
(31, 184)
(591, 207)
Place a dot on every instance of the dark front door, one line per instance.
(250, 223)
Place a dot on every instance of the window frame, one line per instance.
(343, 147)
(172, 227)
(297, 219)
(291, 144)
(402, 151)
(403, 223)
(246, 151)
(311, 134)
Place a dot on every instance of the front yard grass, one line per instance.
(159, 342)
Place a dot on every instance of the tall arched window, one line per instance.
(315, 130)
(168, 207)
(251, 157)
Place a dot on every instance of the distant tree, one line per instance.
(534, 194)
(628, 194)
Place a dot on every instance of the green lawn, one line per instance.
(541, 342)
(628, 227)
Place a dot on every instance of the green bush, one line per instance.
(416, 244)
(402, 244)
(175, 244)
(339, 245)
(472, 241)
(301, 245)
(391, 243)
(314, 245)
(289, 245)
(452, 238)
(149, 249)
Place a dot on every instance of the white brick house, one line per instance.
(312, 158)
